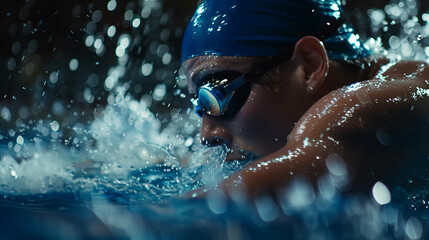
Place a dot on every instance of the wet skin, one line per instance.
(313, 109)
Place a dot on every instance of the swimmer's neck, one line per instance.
(343, 73)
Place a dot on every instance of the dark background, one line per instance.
(39, 37)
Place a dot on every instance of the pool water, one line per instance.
(124, 169)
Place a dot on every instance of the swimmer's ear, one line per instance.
(311, 55)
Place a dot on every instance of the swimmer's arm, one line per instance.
(269, 174)
(344, 123)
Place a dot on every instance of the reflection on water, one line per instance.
(109, 160)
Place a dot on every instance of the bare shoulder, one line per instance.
(395, 86)
(406, 70)
(375, 122)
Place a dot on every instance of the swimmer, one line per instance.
(289, 85)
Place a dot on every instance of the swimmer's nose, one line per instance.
(213, 133)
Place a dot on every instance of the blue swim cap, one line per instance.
(268, 27)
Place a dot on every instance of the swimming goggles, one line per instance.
(223, 94)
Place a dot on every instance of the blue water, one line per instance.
(116, 216)
(122, 170)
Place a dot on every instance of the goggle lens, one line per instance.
(209, 102)
(221, 100)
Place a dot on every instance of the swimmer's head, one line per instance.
(253, 28)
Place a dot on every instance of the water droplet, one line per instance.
(98, 43)
(413, 228)
(109, 83)
(217, 201)
(111, 31)
(20, 140)
(89, 40)
(120, 51)
(166, 59)
(146, 11)
(390, 214)
(74, 64)
(11, 64)
(13, 174)
(136, 23)
(16, 47)
(128, 15)
(111, 5)
(381, 193)
(266, 207)
(298, 195)
(336, 165)
(55, 126)
(97, 16)
(5, 114)
(146, 69)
